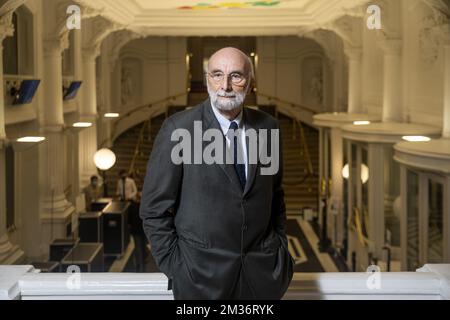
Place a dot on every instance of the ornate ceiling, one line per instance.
(224, 18)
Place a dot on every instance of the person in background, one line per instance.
(92, 192)
(129, 192)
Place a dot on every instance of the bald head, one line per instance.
(229, 78)
(231, 58)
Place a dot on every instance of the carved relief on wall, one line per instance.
(312, 82)
(316, 86)
(131, 81)
(127, 85)
(433, 32)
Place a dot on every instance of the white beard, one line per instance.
(226, 104)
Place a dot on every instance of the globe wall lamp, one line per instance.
(104, 160)
(364, 173)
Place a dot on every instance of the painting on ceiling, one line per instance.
(233, 5)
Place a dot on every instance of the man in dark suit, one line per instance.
(218, 230)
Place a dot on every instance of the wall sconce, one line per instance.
(112, 115)
(104, 160)
(82, 125)
(26, 142)
(361, 123)
(364, 172)
(416, 138)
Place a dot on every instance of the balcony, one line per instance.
(431, 282)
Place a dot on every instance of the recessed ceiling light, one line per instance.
(416, 138)
(112, 115)
(31, 139)
(361, 123)
(82, 125)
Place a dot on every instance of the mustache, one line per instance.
(222, 93)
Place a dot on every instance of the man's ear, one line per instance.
(251, 84)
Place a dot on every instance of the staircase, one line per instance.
(298, 194)
(124, 148)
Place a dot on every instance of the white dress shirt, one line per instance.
(225, 126)
(130, 189)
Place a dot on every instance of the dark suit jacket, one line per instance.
(203, 228)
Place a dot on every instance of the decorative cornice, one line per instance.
(6, 12)
(6, 27)
(55, 45)
(10, 6)
(434, 33)
(95, 30)
(349, 29)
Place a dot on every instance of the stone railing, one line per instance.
(432, 282)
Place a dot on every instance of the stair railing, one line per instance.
(296, 123)
(137, 151)
(281, 101)
(137, 109)
(306, 153)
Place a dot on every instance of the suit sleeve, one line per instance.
(159, 197)
(278, 204)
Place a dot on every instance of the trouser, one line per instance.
(242, 290)
(139, 252)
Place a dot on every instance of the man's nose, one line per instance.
(226, 83)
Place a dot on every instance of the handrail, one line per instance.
(306, 154)
(139, 108)
(305, 147)
(136, 153)
(432, 281)
(292, 104)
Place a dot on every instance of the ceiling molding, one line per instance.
(296, 17)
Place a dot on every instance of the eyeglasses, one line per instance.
(236, 78)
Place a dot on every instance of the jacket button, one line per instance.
(244, 227)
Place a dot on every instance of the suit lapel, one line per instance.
(210, 121)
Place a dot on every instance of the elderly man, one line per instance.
(218, 230)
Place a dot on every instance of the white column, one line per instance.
(337, 154)
(9, 253)
(88, 112)
(376, 197)
(392, 107)
(56, 211)
(446, 112)
(354, 80)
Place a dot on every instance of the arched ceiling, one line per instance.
(224, 18)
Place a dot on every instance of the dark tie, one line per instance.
(239, 167)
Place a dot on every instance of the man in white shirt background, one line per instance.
(129, 193)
